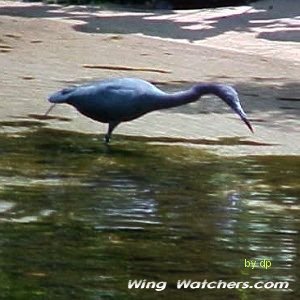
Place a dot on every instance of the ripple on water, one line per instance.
(89, 218)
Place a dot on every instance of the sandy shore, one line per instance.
(255, 48)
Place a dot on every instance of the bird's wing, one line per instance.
(108, 101)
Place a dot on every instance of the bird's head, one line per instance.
(230, 96)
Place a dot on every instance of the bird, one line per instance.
(119, 100)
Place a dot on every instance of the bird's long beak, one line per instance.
(247, 122)
(238, 109)
(50, 108)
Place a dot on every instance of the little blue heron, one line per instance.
(120, 100)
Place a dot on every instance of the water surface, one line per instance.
(78, 219)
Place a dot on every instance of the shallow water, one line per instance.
(80, 219)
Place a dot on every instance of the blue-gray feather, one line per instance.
(119, 100)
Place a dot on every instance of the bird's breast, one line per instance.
(107, 109)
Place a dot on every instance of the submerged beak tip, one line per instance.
(248, 124)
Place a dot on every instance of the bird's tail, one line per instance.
(61, 96)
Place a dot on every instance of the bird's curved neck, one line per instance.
(188, 96)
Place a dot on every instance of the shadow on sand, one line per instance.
(190, 25)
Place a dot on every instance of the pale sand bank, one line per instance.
(43, 48)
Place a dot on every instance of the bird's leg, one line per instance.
(111, 127)
(107, 138)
